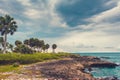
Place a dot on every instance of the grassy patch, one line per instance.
(29, 58)
(8, 68)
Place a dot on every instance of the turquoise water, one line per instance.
(105, 72)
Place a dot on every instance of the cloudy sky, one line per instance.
(74, 25)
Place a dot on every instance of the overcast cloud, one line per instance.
(74, 25)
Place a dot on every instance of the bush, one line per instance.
(16, 64)
(23, 49)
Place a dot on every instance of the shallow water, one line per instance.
(105, 72)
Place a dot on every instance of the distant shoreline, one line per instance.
(93, 52)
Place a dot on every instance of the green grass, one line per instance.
(8, 60)
(8, 68)
(29, 58)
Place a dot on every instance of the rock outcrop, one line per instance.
(72, 68)
(89, 61)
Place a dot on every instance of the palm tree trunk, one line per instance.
(40, 49)
(46, 50)
(5, 40)
(53, 50)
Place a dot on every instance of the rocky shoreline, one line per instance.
(70, 68)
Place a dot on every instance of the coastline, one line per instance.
(69, 68)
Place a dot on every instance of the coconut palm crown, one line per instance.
(54, 46)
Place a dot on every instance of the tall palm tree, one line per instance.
(7, 26)
(47, 47)
(32, 42)
(41, 43)
(43, 48)
(54, 46)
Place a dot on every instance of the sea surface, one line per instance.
(106, 72)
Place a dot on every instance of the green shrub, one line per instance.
(23, 49)
(16, 64)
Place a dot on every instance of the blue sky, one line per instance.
(74, 25)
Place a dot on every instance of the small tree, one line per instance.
(54, 46)
(18, 43)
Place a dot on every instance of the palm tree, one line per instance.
(7, 26)
(11, 47)
(1, 42)
(54, 46)
(40, 45)
(47, 47)
(18, 43)
(26, 42)
(43, 48)
(32, 42)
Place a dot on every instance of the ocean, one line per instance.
(105, 72)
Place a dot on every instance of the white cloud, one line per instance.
(111, 2)
(98, 35)
(18, 36)
(55, 19)
(88, 41)
(19, 22)
(3, 11)
(25, 2)
(45, 13)
(108, 15)
(33, 14)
